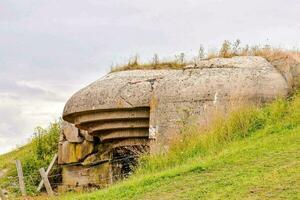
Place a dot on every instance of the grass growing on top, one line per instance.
(282, 59)
(36, 154)
(251, 154)
(134, 64)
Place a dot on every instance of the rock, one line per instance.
(86, 135)
(73, 152)
(84, 149)
(61, 137)
(97, 158)
(66, 152)
(71, 133)
(84, 176)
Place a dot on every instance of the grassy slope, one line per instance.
(7, 162)
(259, 167)
(253, 155)
(263, 165)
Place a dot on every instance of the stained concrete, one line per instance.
(144, 109)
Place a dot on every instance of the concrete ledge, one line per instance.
(125, 133)
(138, 113)
(112, 125)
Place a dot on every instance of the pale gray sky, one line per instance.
(49, 49)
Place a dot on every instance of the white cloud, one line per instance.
(19, 116)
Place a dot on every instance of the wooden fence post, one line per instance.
(21, 177)
(2, 196)
(46, 182)
(47, 172)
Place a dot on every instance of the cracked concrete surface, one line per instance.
(132, 108)
(201, 88)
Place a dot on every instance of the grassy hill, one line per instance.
(252, 154)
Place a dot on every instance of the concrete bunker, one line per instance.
(114, 120)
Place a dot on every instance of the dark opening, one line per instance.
(125, 159)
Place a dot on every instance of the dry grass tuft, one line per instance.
(134, 64)
(286, 61)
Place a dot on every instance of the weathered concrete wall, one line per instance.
(217, 83)
(96, 161)
(129, 109)
(120, 90)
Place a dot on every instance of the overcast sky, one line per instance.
(51, 48)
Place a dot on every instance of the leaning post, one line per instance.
(21, 177)
(46, 182)
(47, 171)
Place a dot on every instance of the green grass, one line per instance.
(252, 154)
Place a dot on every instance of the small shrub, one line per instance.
(201, 53)
(155, 60)
(180, 58)
(45, 141)
(236, 47)
(225, 50)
